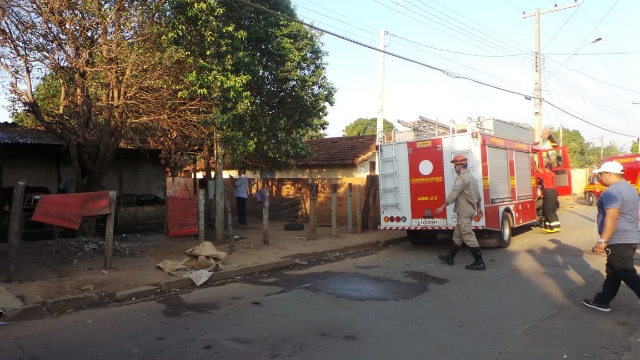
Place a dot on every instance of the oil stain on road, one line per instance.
(353, 286)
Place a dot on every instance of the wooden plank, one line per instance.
(265, 218)
(108, 243)
(15, 227)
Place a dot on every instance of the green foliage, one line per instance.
(584, 154)
(362, 126)
(263, 78)
(84, 71)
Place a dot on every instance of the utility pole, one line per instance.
(537, 91)
(637, 103)
(380, 121)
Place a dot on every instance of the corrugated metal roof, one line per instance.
(11, 133)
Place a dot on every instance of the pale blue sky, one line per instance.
(491, 42)
(488, 41)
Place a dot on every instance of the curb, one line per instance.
(55, 307)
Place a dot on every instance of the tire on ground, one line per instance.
(294, 226)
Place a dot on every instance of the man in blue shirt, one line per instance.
(619, 234)
(240, 186)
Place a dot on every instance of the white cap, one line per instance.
(610, 167)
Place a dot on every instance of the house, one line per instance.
(339, 161)
(336, 157)
(43, 162)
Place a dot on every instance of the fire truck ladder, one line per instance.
(388, 174)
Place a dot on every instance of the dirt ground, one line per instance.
(64, 267)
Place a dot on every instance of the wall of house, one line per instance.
(579, 179)
(360, 170)
(137, 173)
(33, 165)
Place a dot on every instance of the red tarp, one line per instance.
(67, 210)
(182, 215)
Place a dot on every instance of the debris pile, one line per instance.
(203, 260)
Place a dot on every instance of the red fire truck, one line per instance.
(415, 175)
(631, 165)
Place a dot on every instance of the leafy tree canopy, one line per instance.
(263, 75)
(362, 126)
(584, 154)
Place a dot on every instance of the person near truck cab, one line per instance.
(467, 201)
(619, 235)
(551, 222)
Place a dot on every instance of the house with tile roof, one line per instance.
(336, 157)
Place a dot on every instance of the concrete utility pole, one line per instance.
(637, 103)
(380, 120)
(537, 91)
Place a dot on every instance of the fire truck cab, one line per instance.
(631, 165)
(415, 176)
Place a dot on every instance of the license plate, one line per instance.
(430, 222)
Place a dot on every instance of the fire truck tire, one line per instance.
(415, 237)
(591, 199)
(421, 237)
(504, 236)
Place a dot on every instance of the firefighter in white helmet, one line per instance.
(467, 199)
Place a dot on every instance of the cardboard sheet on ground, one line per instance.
(202, 261)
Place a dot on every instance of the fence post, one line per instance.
(334, 209)
(201, 215)
(265, 214)
(313, 216)
(358, 208)
(15, 226)
(349, 217)
(111, 220)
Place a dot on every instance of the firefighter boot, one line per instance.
(478, 264)
(448, 258)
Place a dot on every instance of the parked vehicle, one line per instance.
(416, 174)
(631, 165)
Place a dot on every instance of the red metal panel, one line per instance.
(426, 178)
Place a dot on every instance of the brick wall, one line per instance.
(284, 189)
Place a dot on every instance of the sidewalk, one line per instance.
(54, 277)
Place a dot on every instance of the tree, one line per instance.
(100, 66)
(362, 126)
(261, 78)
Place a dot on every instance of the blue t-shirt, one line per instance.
(623, 196)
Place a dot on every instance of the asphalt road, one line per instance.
(401, 303)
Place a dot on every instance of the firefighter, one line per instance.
(551, 222)
(467, 199)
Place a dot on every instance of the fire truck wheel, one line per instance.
(504, 236)
(415, 237)
(421, 237)
(591, 199)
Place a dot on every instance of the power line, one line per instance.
(444, 71)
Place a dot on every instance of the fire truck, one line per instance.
(415, 176)
(631, 165)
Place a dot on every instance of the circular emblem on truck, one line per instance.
(425, 167)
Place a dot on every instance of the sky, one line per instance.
(454, 59)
